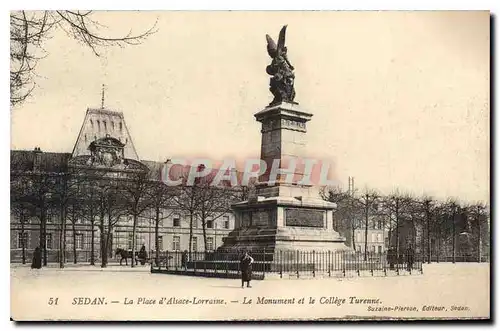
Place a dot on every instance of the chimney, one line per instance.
(37, 158)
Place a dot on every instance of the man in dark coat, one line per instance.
(246, 269)
(37, 259)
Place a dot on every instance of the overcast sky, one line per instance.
(400, 99)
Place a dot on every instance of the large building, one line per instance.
(105, 148)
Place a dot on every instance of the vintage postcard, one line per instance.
(249, 165)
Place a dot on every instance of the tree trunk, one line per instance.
(190, 232)
(62, 237)
(75, 260)
(454, 235)
(366, 230)
(478, 221)
(353, 238)
(134, 229)
(92, 241)
(204, 229)
(23, 242)
(43, 234)
(101, 238)
(157, 242)
(397, 232)
(428, 217)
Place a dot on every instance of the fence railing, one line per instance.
(289, 263)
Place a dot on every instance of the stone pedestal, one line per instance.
(283, 216)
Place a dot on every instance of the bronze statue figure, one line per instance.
(281, 70)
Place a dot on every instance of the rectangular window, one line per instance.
(210, 224)
(79, 241)
(176, 243)
(22, 240)
(379, 249)
(226, 222)
(359, 248)
(176, 220)
(358, 237)
(160, 243)
(210, 243)
(374, 237)
(195, 244)
(373, 248)
(48, 241)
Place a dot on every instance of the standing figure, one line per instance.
(37, 259)
(246, 269)
(143, 255)
(184, 258)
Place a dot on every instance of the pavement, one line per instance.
(444, 290)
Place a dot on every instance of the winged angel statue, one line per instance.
(281, 82)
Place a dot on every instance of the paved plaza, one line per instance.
(85, 292)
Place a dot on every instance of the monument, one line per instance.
(283, 215)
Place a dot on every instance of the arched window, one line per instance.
(121, 126)
(92, 124)
(112, 125)
(85, 138)
(105, 127)
(98, 125)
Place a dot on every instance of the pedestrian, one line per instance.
(143, 256)
(37, 259)
(184, 258)
(246, 269)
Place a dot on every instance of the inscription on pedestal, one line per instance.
(304, 217)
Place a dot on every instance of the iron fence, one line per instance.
(288, 264)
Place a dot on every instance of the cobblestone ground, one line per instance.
(443, 290)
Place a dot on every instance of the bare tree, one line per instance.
(479, 215)
(368, 201)
(30, 30)
(213, 203)
(135, 190)
(395, 206)
(20, 209)
(161, 198)
(187, 201)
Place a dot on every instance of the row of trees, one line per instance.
(101, 199)
(426, 223)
